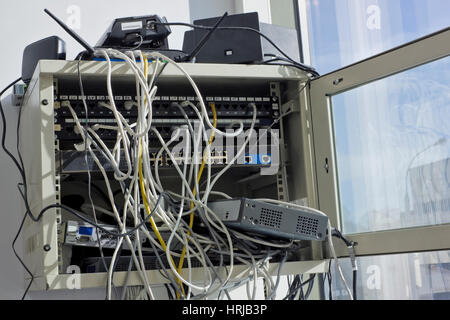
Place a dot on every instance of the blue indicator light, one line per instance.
(264, 159)
(86, 231)
(257, 159)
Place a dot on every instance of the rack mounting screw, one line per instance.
(47, 248)
(338, 81)
(45, 102)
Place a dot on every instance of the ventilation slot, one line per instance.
(308, 226)
(270, 218)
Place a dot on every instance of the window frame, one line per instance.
(321, 90)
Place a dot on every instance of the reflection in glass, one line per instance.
(346, 31)
(415, 276)
(392, 142)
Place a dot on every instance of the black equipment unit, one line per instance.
(227, 45)
(139, 32)
(51, 48)
(146, 33)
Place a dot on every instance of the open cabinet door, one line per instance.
(381, 130)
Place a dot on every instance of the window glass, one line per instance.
(346, 31)
(415, 276)
(393, 150)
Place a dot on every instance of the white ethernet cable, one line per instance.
(110, 195)
(329, 237)
(197, 92)
(116, 115)
(138, 133)
(336, 260)
(125, 139)
(209, 186)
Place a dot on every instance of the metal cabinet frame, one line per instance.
(37, 144)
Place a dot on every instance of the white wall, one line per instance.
(23, 22)
(260, 6)
(200, 9)
(28, 23)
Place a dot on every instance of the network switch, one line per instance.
(272, 220)
(72, 161)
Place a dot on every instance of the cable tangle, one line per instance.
(179, 228)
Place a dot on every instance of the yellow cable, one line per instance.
(199, 175)
(145, 200)
(152, 221)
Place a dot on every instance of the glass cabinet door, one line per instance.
(382, 148)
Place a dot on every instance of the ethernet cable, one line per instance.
(329, 237)
(199, 175)
(201, 102)
(110, 194)
(146, 93)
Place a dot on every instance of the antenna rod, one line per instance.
(205, 39)
(71, 32)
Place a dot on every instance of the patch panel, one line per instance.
(166, 115)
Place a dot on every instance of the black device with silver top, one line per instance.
(272, 220)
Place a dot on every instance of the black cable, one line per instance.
(4, 128)
(72, 211)
(330, 295)
(350, 245)
(24, 194)
(306, 68)
(19, 154)
(271, 63)
(310, 286)
(302, 295)
(355, 284)
(15, 252)
(288, 62)
(20, 167)
(298, 285)
(169, 292)
(83, 218)
(277, 120)
(291, 291)
(336, 233)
